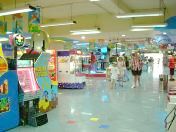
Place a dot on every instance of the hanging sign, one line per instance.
(17, 24)
(3, 27)
(19, 40)
(34, 20)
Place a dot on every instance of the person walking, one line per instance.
(172, 67)
(126, 77)
(121, 70)
(136, 67)
(114, 72)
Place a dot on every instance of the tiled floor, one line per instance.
(112, 110)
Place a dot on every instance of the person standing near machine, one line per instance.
(136, 67)
(92, 62)
(171, 67)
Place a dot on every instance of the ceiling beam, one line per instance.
(121, 5)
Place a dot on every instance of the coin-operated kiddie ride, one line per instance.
(37, 94)
(9, 110)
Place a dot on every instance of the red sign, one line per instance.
(52, 66)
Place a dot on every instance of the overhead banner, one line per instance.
(7, 50)
(3, 27)
(17, 24)
(92, 44)
(34, 21)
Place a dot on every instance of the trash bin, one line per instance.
(163, 82)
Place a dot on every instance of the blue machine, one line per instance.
(9, 107)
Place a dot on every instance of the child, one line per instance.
(114, 72)
(121, 68)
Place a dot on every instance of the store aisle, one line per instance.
(98, 108)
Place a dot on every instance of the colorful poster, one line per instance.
(3, 27)
(49, 92)
(34, 20)
(17, 24)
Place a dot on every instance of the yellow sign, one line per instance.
(41, 71)
(3, 62)
(94, 119)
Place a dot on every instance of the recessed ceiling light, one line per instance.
(123, 35)
(83, 37)
(164, 33)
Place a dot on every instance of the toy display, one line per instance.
(69, 66)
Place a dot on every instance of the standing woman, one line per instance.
(172, 67)
(136, 67)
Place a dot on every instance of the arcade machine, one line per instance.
(29, 90)
(68, 69)
(9, 108)
(101, 56)
(85, 63)
(29, 95)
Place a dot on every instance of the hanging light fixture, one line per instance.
(85, 31)
(149, 26)
(58, 24)
(17, 10)
(141, 14)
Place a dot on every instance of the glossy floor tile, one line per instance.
(100, 109)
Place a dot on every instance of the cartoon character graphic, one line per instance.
(4, 105)
(44, 103)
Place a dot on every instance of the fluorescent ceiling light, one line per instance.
(17, 10)
(58, 24)
(141, 14)
(28, 38)
(141, 29)
(9, 32)
(82, 44)
(94, 0)
(88, 31)
(3, 39)
(123, 35)
(164, 33)
(149, 26)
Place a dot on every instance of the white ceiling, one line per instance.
(148, 4)
(105, 10)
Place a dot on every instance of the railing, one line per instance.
(171, 117)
